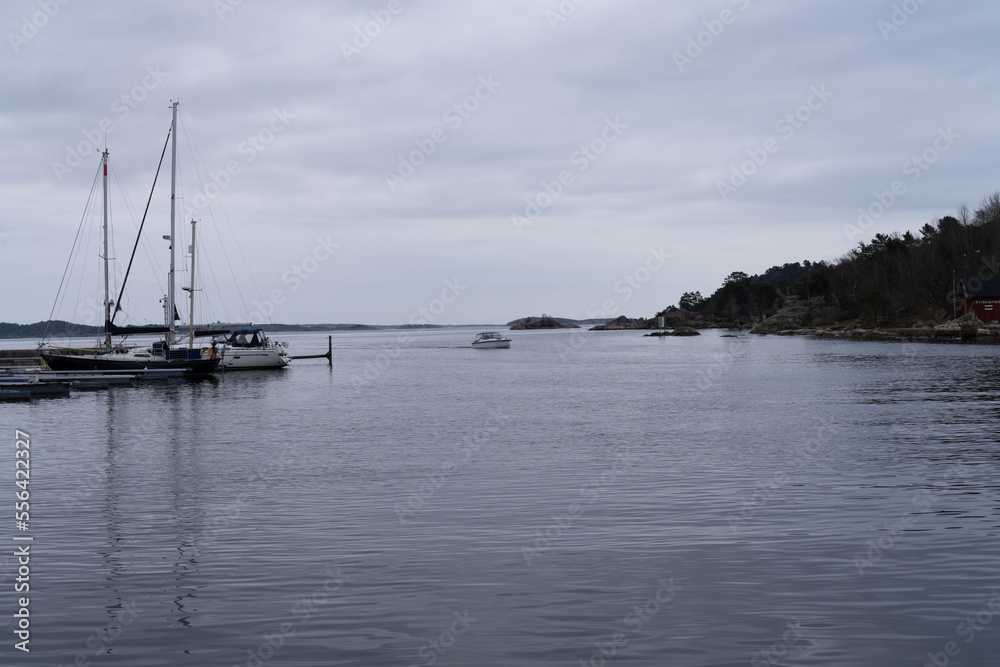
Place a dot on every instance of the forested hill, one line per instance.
(892, 279)
(56, 328)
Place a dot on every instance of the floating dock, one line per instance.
(23, 384)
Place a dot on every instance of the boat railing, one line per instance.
(21, 362)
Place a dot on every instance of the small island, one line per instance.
(543, 322)
(679, 331)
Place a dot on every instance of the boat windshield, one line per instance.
(490, 335)
(244, 338)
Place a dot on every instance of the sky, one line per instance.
(446, 162)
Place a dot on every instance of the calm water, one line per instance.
(595, 497)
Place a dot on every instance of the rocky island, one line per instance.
(543, 322)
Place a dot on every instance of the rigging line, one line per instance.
(76, 239)
(77, 248)
(125, 280)
(236, 240)
(218, 291)
(192, 147)
(145, 244)
(215, 283)
(86, 245)
(206, 303)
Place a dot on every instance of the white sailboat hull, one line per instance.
(253, 358)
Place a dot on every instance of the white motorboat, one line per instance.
(248, 348)
(490, 340)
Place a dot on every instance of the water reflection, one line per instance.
(154, 500)
(222, 505)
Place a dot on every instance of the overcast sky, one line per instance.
(481, 161)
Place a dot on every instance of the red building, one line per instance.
(984, 301)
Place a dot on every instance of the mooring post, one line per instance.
(329, 350)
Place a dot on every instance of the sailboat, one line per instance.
(160, 354)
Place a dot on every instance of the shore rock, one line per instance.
(679, 331)
(797, 314)
(623, 322)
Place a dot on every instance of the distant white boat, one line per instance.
(490, 339)
(247, 348)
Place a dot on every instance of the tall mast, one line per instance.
(191, 318)
(107, 293)
(173, 238)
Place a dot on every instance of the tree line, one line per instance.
(891, 279)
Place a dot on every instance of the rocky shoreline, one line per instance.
(818, 317)
(908, 334)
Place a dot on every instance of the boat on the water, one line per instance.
(162, 354)
(154, 356)
(248, 348)
(490, 340)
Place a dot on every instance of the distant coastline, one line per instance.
(64, 329)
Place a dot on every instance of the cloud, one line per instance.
(355, 118)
